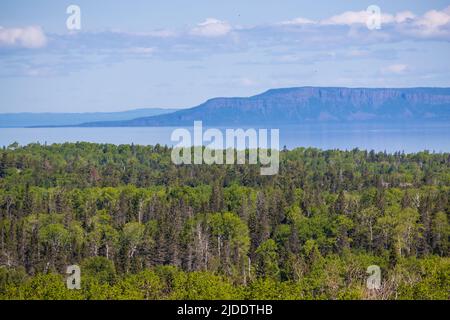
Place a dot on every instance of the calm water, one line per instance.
(392, 137)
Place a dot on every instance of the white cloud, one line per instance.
(347, 18)
(404, 16)
(27, 37)
(434, 19)
(211, 28)
(361, 17)
(434, 24)
(298, 41)
(430, 20)
(298, 22)
(162, 33)
(395, 69)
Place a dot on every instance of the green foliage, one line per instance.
(141, 227)
(203, 286)
(429, 279)
(54, 235)
(145, 285)
(100, 269)
(268, 259)
(42, 287)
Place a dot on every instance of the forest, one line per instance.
(141, 227)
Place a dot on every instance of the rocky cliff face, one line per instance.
(312, 104)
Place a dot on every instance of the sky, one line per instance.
(177, 53)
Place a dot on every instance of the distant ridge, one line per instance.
(308, 105)
(27, 119)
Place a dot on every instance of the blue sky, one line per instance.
(135, 54)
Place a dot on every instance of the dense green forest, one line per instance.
(142, 228)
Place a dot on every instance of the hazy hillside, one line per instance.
(309, 104)
(63, 119)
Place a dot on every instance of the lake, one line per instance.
(379, 137)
